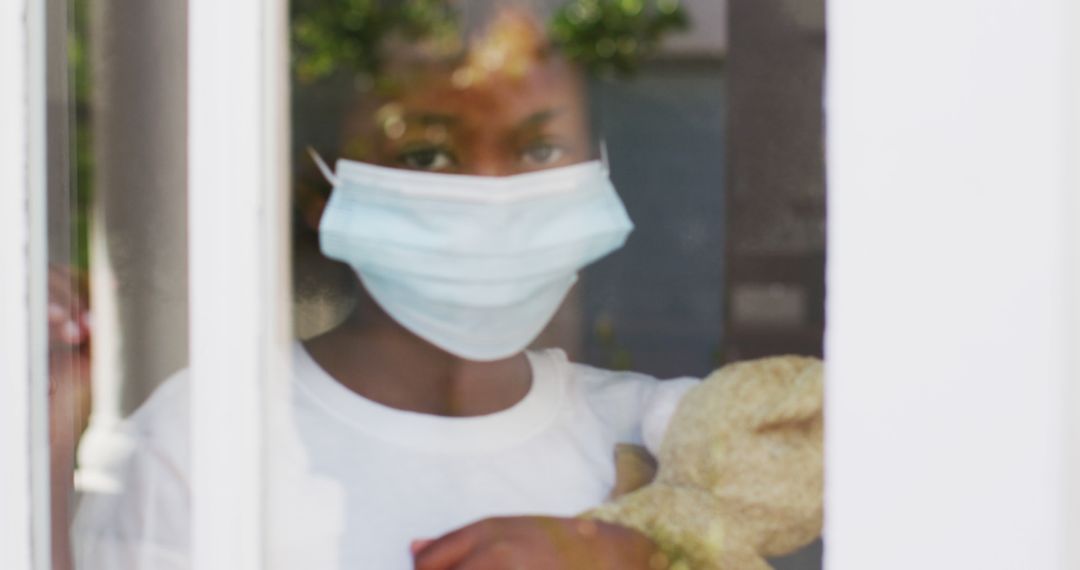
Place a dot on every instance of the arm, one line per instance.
(539, 543)
(69, 398)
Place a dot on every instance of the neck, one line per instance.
(384, 362)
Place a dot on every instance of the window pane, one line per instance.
(118, 284)
(523, 231)
(510, 268)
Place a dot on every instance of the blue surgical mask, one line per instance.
(474, 265)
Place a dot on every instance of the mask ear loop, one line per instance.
(323, 167)
(605, 159)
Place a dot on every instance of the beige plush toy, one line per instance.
(740, 470)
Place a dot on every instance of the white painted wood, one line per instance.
(14, 327)
(952, 319)
(24, 536)
(237, 213)
(1071, 400)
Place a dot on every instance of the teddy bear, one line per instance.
(740, 470)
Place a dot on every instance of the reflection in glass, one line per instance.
(118, 290)
(469, 297)
(472, 184)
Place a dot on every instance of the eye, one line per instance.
(542, 153)
(427, 158)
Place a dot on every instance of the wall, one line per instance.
(952, 279)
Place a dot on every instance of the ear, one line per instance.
(804, 400)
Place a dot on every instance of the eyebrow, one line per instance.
(539, 118)
(430, 119)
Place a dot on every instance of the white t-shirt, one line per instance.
(353, 482)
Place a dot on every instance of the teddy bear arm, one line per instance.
(720, 430)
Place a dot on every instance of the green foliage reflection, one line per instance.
(608, 37)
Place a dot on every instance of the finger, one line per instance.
(499, 556)
(71, 332)
(68, 290)
(417, 545)
(449, 550)
(86, 321)
(62, 288)
(67, 333)
(57, 313)
(66, 318)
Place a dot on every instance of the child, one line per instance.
(422, 433)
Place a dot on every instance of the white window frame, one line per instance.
(24, 478)
(1071, 213)
(239, 272)
(902, 491)
(954, 285)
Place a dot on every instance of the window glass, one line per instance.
(523, 231)
(117, 279)
(510, 248)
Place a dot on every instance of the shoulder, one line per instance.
(166, 411)
(155, 434)
(600, 379)
(637, 406)
(134, 481)
(599, 384)
(164, 419)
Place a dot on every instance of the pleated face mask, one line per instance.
(474, 265)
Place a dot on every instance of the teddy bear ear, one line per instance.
(803, 401)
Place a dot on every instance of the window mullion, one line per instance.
(24, 480)
(237, 204)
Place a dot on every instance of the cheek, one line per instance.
(313, 211)
(581, 152)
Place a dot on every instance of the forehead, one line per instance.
(501, 100)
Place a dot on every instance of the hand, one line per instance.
(69, 396)
(69, 359)
(539, 543)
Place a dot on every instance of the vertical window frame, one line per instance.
(1071, 399)
(238, 246)
(861, 527)
(24, 480)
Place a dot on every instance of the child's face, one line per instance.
(505, 109)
